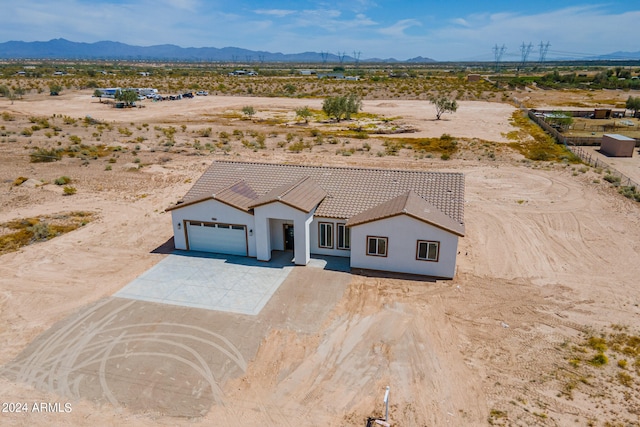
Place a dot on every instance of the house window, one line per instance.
(325, 237)
(377, 246)
(344, 237)
(428, 251)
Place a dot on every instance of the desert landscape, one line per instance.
(539, 326)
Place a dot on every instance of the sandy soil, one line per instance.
(549, 258)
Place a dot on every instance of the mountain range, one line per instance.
(65, 49)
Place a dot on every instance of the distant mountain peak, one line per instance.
(61, 48)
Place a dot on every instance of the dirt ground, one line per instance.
(549, 258)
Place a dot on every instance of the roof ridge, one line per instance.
(339, 167)
(294, 186)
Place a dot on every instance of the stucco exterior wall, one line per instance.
(212, 211)
(403, 233)
(264, 216)
(314, 235)
(276, 228)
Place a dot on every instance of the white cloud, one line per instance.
(280, 13)
(397, 29)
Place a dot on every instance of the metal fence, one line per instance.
(619, 178)
(572, 145)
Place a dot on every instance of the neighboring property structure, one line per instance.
(615, 145)
(391, 220)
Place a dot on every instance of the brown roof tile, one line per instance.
(350, 191)
(238, 195)
(303, 194)
(409, 203)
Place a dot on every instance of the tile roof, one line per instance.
(303, 194)
(238, 195)
(409, 203)
(349, 191)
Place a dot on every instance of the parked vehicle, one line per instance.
(187, 95)
(202, 93)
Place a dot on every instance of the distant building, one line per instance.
(615, 145)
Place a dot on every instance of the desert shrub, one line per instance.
(248, 111)
(7, 117)
(599, 359)
(625, 379)
(40, 231)
(299, 146)
(43, 155)
(19, 180)
(205, 133)
(27, 132)
(630, 192)
(63, 180)
(124, 131)
(69, 190)
(597, 343)
(75, 139)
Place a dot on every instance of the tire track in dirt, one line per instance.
(102, 355)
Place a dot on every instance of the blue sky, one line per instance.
(442, 30)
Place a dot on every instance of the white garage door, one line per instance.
(218, 238)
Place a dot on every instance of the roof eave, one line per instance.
(459, 233)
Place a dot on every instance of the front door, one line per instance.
(288, 237)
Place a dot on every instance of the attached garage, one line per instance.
(216, 237)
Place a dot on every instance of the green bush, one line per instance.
(69, 190)
(40, 231)
(43, 155)
(63, 180)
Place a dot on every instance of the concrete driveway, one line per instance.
(211, 281)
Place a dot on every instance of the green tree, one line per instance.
(340, 107)
(55, 89)
(127, 96)
(248, 111)
(304, 113)
(633, 104)
(98, 94)
(561, 119)
(443, 105)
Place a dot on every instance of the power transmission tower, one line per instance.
(498, 52)
(341, 56)
(324, 56)
(525, 51)
(248, 58)
(234, 58)
(544, 48)
(261, 59)
(356, 56)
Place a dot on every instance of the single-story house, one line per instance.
(389, 220)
